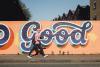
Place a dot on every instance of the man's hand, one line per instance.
(43, 47)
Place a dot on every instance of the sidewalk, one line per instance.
(49, 59)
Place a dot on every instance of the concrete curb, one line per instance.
(49, 59)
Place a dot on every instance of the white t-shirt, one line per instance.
(37, 38)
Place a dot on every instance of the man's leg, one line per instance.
(31, 50)
(30, 56)
(41, 50)
(36, 50)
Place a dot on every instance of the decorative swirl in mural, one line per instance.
(5, 33)
(6, 37)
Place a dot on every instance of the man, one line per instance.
(37, 45)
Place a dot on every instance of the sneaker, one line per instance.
(29, 57)
(45, 56)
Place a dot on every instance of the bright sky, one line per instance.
(49, 9)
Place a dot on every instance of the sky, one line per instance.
(49, 9)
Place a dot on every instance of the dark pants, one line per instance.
(38, 49)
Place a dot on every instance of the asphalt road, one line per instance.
(50, 64)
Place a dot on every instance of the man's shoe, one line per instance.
(29, 57)
(45, 56)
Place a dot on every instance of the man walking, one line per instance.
(37, 45)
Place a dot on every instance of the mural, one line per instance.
(60, 37)
(73, 37)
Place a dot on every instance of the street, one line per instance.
(50, 61)
(95, 64)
